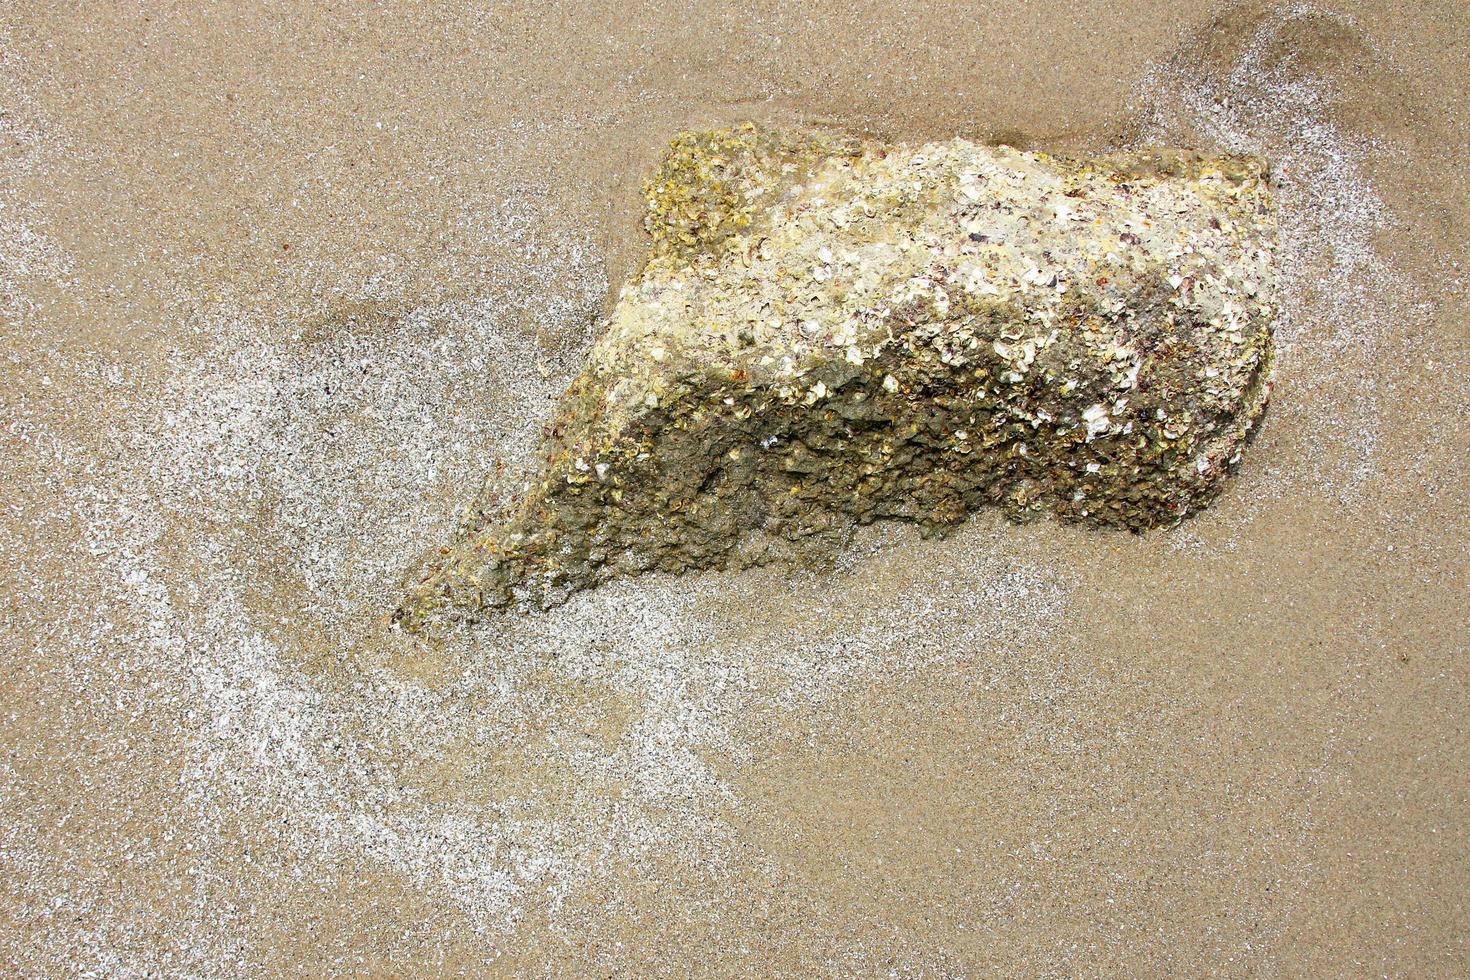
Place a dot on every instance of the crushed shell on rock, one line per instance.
(829, 331)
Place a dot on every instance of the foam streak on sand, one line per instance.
(355, 761)
(1340, 294)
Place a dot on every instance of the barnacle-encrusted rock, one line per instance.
(831, 331)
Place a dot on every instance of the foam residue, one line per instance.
(1340, 296)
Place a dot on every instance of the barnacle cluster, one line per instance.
(831, 331)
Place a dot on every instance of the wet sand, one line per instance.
(281, 283)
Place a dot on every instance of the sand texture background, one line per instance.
(280, 282)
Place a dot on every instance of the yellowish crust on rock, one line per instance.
(830, 331)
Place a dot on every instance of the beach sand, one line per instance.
(281, 282)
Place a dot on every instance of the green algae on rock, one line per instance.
(831, 331)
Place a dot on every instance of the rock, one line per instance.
(832, 331)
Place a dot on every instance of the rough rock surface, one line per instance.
(832, 331)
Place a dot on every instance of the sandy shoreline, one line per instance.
(278, 282)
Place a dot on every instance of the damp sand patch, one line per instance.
(527, 762)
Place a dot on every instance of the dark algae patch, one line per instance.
(829, 332)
